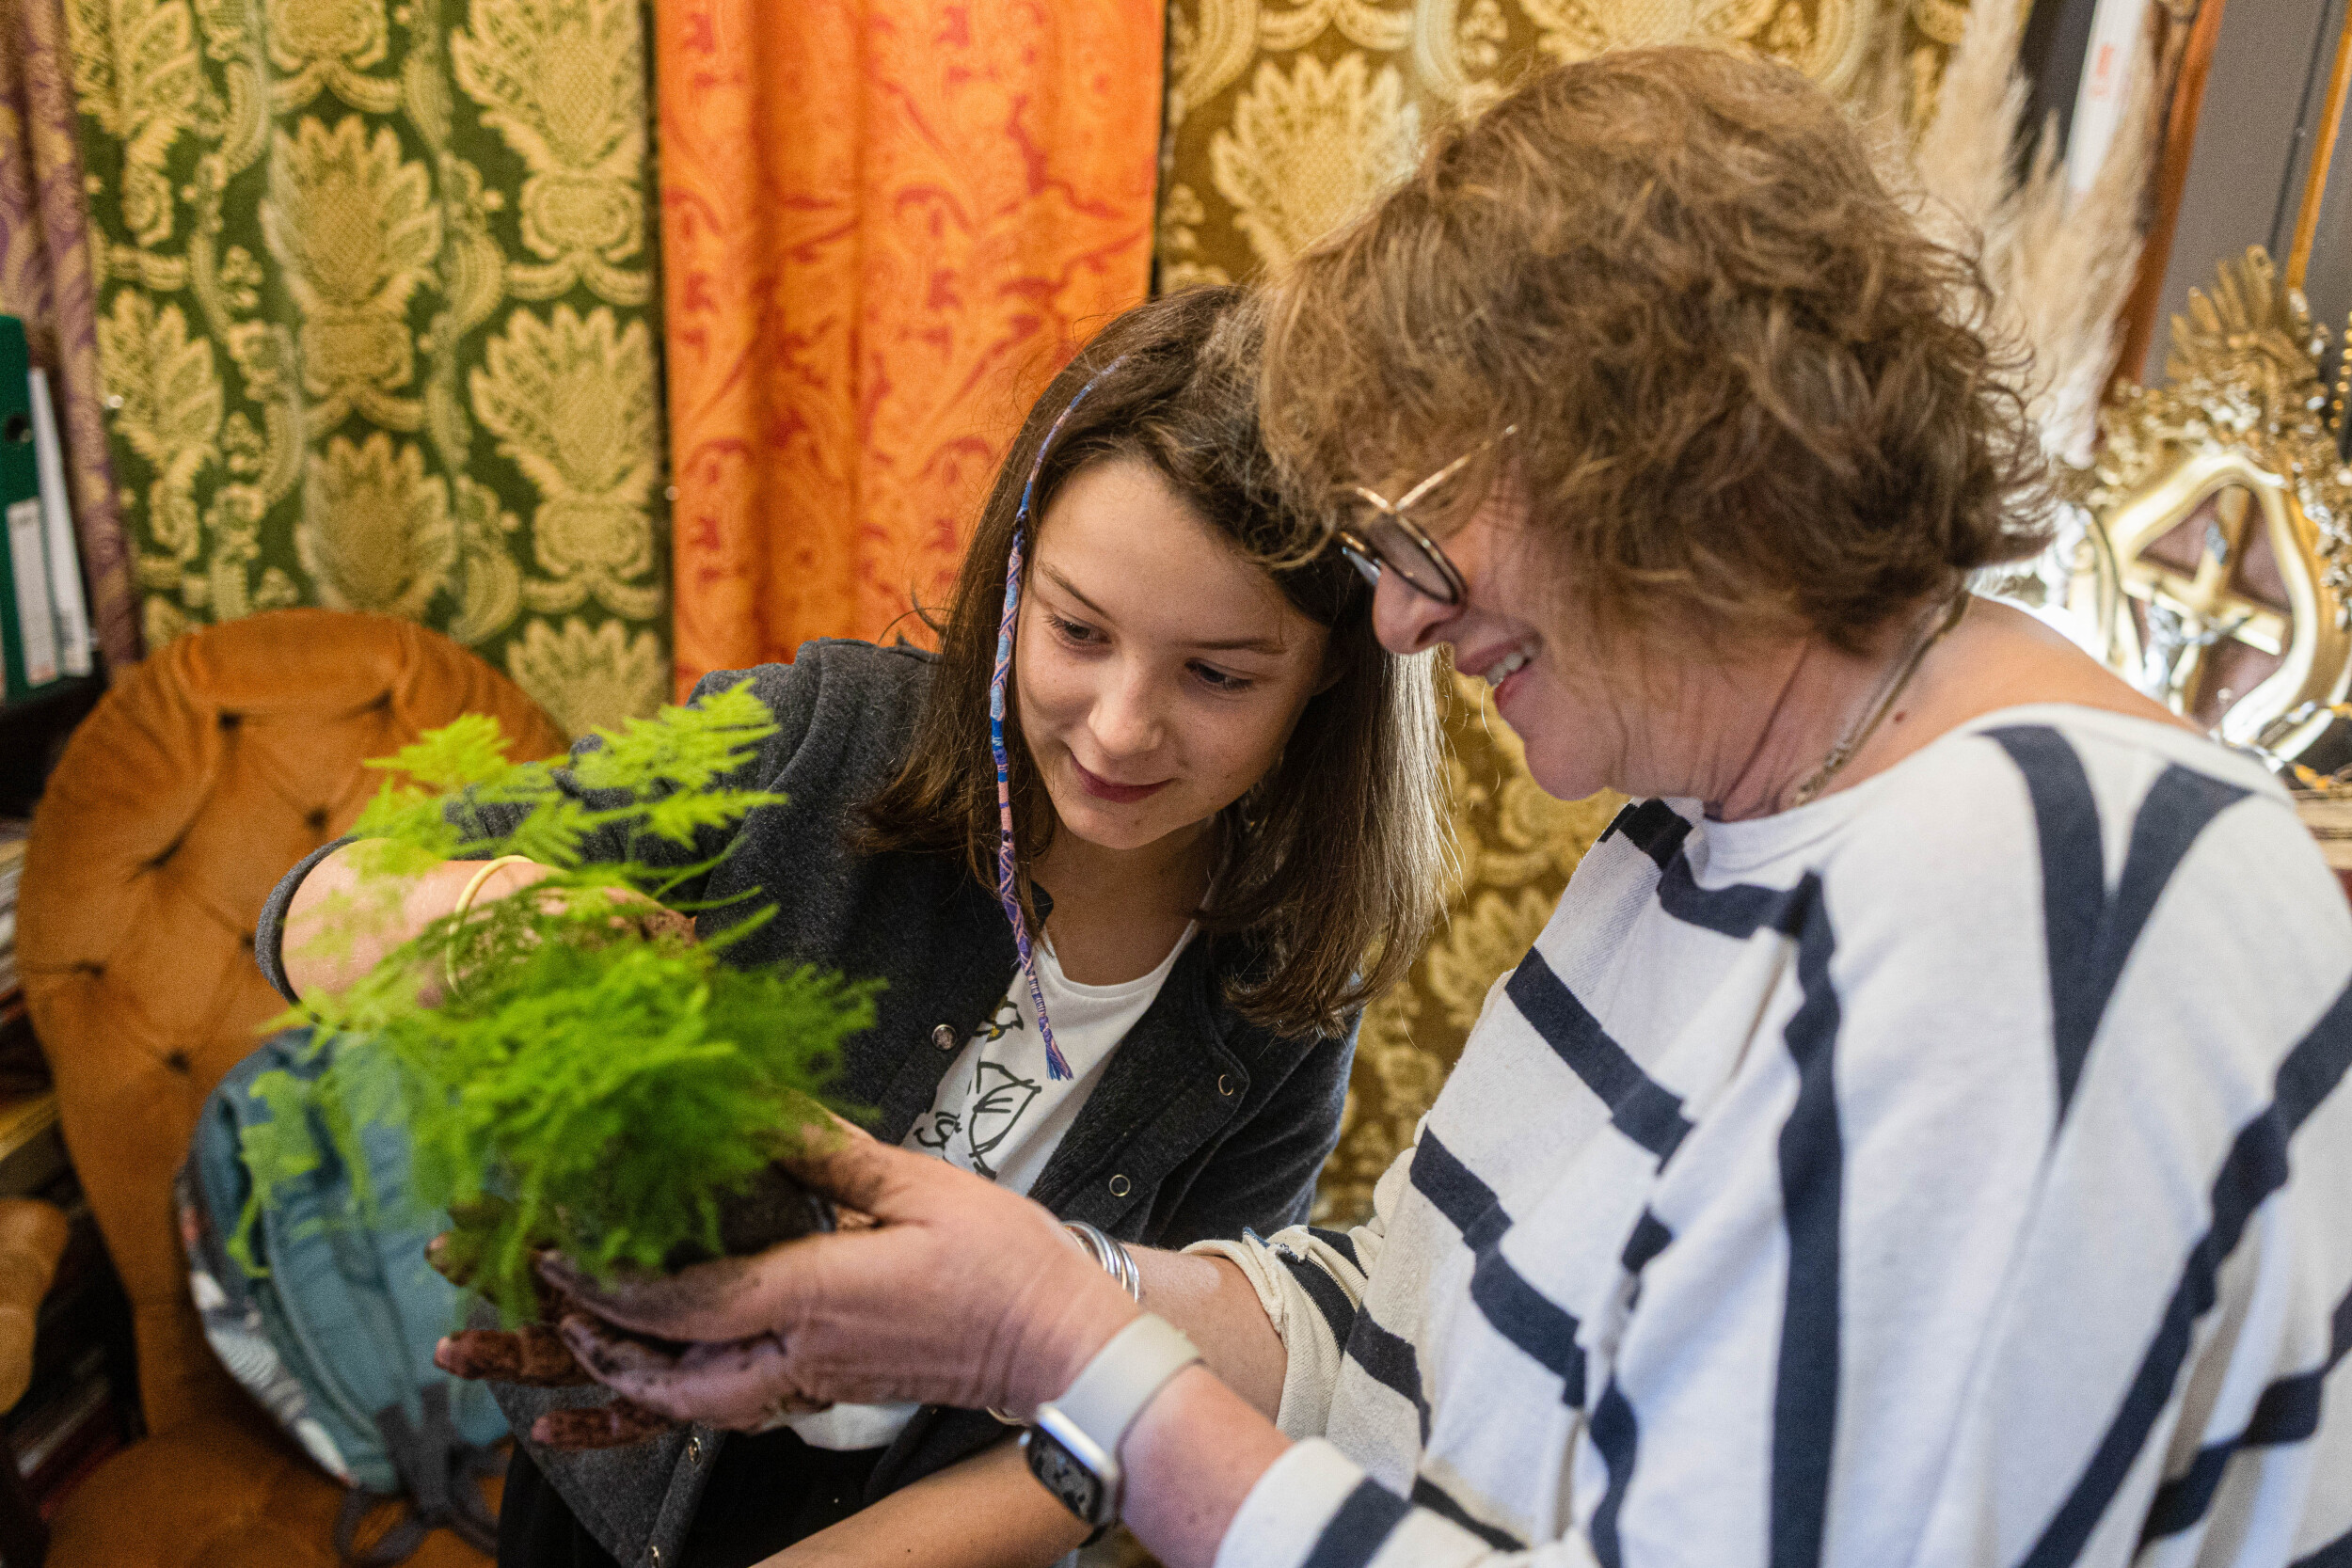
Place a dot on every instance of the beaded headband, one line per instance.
(1055, 1066)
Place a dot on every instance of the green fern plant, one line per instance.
(567, 1074)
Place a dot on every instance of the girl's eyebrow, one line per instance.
(1222, 644)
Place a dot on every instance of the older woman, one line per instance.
(1917, 1138)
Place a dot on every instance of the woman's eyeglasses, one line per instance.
(1381, 537)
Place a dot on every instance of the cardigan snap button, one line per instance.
(944, 1036)
(1121, 1186)
(695, 1450)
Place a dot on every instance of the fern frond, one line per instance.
(583, 1085)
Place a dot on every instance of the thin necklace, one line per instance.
(1854, 738)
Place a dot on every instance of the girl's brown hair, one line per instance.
(1330, 865)
(1749, 394)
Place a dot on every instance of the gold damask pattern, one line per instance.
(375, 325)
(1515, 845)
(1286, 116)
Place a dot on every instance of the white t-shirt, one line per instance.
(1948, 1173)
(1000, 1113)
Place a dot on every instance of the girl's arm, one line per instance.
(410, 903)
(335, 890)
(986, 1511)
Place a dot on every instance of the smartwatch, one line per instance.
(1072, 1449)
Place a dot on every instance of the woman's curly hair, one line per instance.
(1749, 394)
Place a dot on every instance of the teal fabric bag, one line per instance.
(333, 1331)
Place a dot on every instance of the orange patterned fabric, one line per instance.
(885, 224)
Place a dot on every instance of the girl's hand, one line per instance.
(958, 1294)
(533, 1356)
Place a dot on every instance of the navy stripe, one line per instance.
(1618, 1437)
(1650, 1237)
(2074, 886)
(2287, 1412)
(1652, 827)
(1812, 1187)
(2088, 936)
(1429, 1495)
(1359, 1528)
(1390, 1359)
(1326, 1293)
(1338, 1242)
(2336, 1554)
(2255, 1167)
(1539, 1326)
(1531, 1321)
(1641, 1108)
(1738, 911)
(1458, 1194)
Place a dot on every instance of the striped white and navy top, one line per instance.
(1956, 1171)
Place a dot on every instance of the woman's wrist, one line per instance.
(1065, 1337)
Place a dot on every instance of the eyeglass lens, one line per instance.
(1393, 546)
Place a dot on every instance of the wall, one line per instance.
(2245, 175)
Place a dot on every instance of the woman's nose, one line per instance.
(1405, 618)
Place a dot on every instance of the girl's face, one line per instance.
(1158, 672)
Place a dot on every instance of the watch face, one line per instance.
(1078, 1489)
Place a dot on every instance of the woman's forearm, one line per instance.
(1191, 1459)
(342, 920)
(987, 1512)
(1213, 1303)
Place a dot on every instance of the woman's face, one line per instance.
(1512, 629)
(1158, 672)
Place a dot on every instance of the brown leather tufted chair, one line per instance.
(202, 777)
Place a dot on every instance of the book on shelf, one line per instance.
(12, 873)
(44, 618)
(78, 644)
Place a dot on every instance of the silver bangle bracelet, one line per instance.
(1113, 1258)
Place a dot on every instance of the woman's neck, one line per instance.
(1118, 911)
(1996, 658)
(1816, 699)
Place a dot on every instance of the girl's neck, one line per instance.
(1118, 911)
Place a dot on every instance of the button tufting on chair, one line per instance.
(205, 773)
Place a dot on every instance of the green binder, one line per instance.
(29, 625)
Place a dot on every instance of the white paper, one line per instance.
(29, 566)
(76, 647)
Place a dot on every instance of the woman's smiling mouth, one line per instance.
(1102, 789)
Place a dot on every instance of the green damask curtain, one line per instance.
(376, 320)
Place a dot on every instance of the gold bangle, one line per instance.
(465, 902)
(465, 899)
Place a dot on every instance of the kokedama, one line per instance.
(573, 1069)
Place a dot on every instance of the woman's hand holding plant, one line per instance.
(958, 1294)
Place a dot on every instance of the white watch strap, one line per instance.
(1120, 1380)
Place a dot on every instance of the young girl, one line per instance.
(1126, 927)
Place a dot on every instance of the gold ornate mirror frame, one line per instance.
(2239, 433)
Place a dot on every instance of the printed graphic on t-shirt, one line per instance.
(995, 1104)
(1002, 1022)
